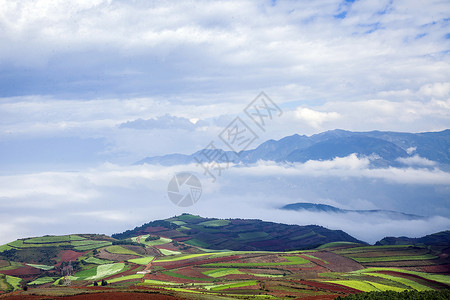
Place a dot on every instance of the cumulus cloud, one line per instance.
(416, 160)
(315, 118)
(164, 122)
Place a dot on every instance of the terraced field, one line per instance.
(184, 269)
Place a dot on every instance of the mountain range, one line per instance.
(384, 149)
(313, 207)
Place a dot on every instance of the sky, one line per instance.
(87, 88)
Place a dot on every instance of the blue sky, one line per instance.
(89, 85)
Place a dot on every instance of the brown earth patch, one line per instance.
(103, 254)
(337, 263)
(443, 269)
(418, 279)
(329, 286)
(68, 255)
(24, 272)
(100, 296)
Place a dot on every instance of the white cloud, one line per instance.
(416, 160)
(315, 118)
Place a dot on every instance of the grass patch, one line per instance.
(234, 285)
(407, 282)
(107, 270)
(292, 260)
(182, 257)
(214, 223)
(173, 274)
(86, 273)
(313, 257)
(97, 261)
(42, 280)
(336, 244)
(142, 260)
(169, 252)
(222, 272)
(14, 281)
(393, 258)
(5, 247)
(42, 267)
(116, 249)
(127, 277)
(92, 245)
(197, 243)
(436, 277)
(188, 217)
(179, 223)
(158, 282)
(12, 265)
(356, 284)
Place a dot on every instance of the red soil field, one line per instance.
(163, 277)
(131, 271)
(23, 272)
(101, 296)
(412, 277)
(190, 272)
(69, 255)
(328, 286)
(181, 264)
(443, 269)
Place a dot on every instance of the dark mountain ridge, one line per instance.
(239, 234)
(313, 207)
(384, 148)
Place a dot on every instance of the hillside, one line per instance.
(239, 234)
(439, 238)
(169, 259)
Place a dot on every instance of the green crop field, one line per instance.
(11, 266)
(120, 250)
(53, 239)
(436, 277)
(197, 243)
(141, 261)
(174, 274)
(407, 282)
(393, 258)
(97, 261)
(127, 277)
(222, 272)
(42, 267)
(188, 217)
(215, 223)
(364, 286)
(14, 281)
(5, 247)
(182, 257)
(93, 245)
(42, 280)
(292, 260)
(335, 244)
(100, 271)
(179, 223)
(234, 285)
(169, 252)
(158, 282)
(313, 257)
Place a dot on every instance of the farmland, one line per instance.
(159, 261)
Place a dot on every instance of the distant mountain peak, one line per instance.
(388, 147)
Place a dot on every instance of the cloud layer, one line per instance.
(112, 198)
